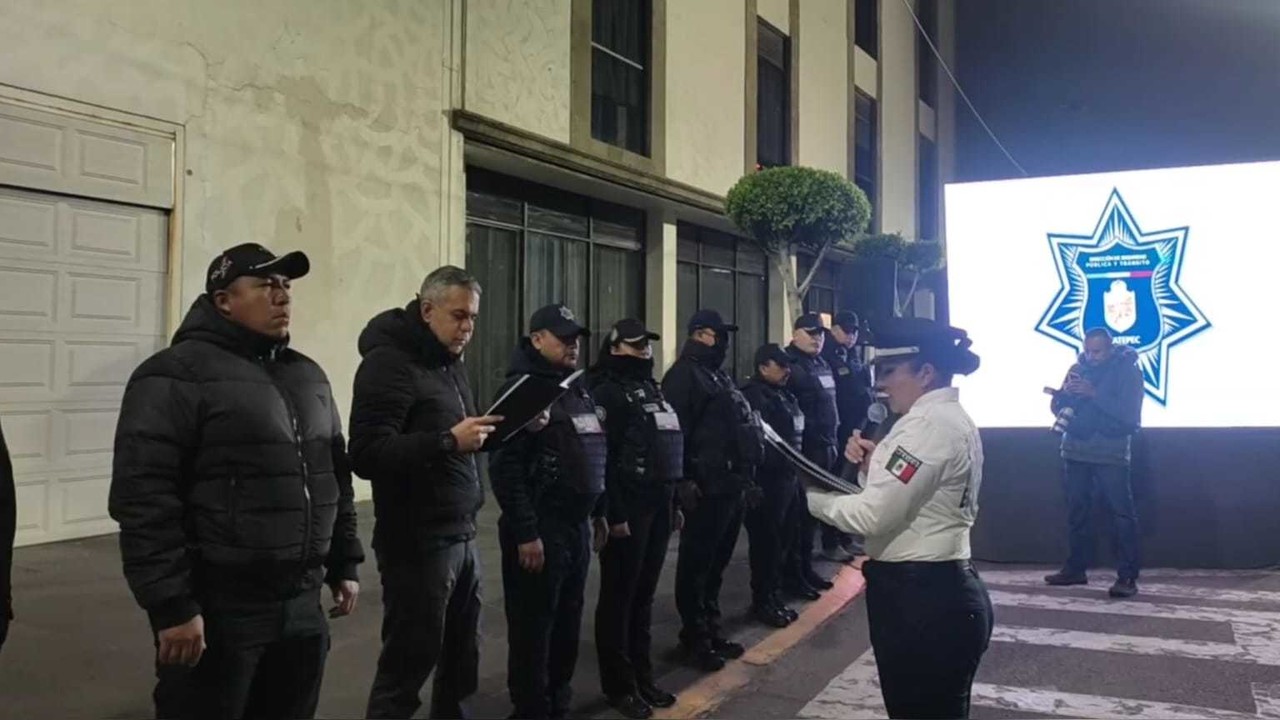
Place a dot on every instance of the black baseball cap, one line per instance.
(808, 322)
(772, 351)
(253, 260)
(709, 319)
(558, 320)
(631, 330)
(848, 321)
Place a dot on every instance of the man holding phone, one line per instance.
(1104, 392)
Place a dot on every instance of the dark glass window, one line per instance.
(926, 62)
(773, 98)
(928, 198)
(866, 159)
(822, 296)
(726, 274)
(620, 32)
(866, 26)
(531, 245)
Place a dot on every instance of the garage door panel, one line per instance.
(49, 151)
(28, 223)
(29, 437)
(28, 297)
(83, 271)
(82, 501)
(28, 367)
(74, 231)
(30, 146)
(33, 510)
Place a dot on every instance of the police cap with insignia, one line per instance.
(943, 346)
(848, 321)
(557, 320)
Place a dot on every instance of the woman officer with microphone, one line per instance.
(929, 613)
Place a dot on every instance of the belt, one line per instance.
(915, 567)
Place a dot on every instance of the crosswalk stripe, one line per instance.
(1066, 603)
(1190, 592)
(855, 694)
(1130, 644)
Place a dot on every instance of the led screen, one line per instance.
(1180, 265)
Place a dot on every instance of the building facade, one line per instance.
(563, 150)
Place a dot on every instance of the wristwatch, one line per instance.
(448, 443)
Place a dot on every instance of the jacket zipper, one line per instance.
(457, 391)
(233, 503)
(302, 465)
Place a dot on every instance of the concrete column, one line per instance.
(660, 289)
(899, 122)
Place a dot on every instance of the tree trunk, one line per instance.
(795, 301)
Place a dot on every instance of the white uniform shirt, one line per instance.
(921, 483)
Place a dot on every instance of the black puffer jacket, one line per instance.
(409, 391)
(230, 472)
(554, 477)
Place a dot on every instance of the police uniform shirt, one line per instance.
(922, 486)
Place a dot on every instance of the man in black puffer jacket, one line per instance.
(233, 494)
(413, 435)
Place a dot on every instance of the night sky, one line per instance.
(1074, 86)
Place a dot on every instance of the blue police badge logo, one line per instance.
(1124, 280)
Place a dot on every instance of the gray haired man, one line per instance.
(414, 433)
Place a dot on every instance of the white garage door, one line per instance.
(82, 290)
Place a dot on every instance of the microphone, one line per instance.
(876, 414)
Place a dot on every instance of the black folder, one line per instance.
(524, 401)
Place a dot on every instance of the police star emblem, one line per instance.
(1126, 280)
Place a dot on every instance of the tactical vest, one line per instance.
(580, 412)
(731, 406)
(665, 460)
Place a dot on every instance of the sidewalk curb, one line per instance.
(707, 694)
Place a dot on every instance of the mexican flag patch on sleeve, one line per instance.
(903, 465)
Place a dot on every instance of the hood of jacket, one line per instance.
(204, 323)
(403, 328)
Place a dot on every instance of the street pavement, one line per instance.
(1193, 644)
(81, 648)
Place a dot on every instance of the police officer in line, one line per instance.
(767, 392)
(929, 613)
(549, 484)
(814, 386)
(853, 398)
(646, 460)
(723, 445)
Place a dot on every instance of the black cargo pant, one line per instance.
(771, 531)
(799, 563)
(265, 659)
(706, 546)
(629, 572)
(544, 617)
(430, 621)
(930, 624)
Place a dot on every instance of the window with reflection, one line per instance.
(730, 275)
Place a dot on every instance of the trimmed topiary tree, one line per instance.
(785, 209)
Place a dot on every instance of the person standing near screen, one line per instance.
(8, 528)
(1101, 403)
(929, 613)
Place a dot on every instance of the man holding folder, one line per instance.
(414, 434)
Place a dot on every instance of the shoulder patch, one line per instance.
(903, 465)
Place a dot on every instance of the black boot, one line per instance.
(800, 590)
(817, 581)
(654, 695)
(766, 613)
(701, 656)
(726, 648)
(1063, 578)
(788, 611)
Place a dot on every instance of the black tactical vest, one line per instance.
(588, 477)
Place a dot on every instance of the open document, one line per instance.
(524, 401)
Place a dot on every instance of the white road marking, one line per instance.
(855, 694)
(1017, 578)
(1131, 644)
(1134, 608)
